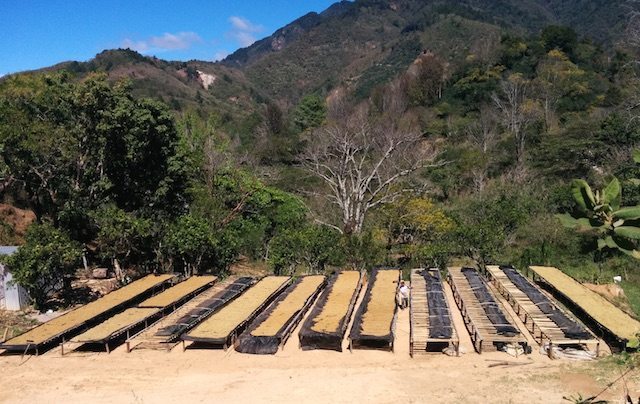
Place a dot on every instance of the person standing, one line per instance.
(403, 292)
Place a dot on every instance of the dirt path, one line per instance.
(292, 375)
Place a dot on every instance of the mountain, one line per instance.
(365, 42)
(199, 85)
(356, 44)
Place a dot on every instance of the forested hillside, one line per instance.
(375, 133)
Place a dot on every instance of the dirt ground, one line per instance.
(292, 375)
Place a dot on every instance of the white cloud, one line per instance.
(243, 39)
(166, 42)
(219, 55)
(242, 24)
(139, 46)
(243, 31)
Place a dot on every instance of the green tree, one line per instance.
(45, 262)
(413, 227)
(312, 247)
(487, 223)
(193, 246)
(310, 113)
(557, 78)
(559, 37)
(477, 85)
(123, 238)
(69, 146)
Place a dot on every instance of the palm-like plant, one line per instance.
(600, 213)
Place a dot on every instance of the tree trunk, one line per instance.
(118, 271)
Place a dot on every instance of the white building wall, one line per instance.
(2, 300)
(15, 296)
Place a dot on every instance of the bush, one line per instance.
(45, 262)
(192, 245)
(313, 247)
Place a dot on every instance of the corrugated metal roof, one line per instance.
(8, 249)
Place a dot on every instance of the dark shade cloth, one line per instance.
(310, 339)
(488, 304)
(269, 345)
(356, 329)
(206, 308)
(439, 315)
(569, 327)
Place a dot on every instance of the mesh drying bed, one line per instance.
(620, 329)
(374, 320)
(205, 309)
(569, 327)
(439, 314)
(185, 317)
(222, 328)
(327, 324)
(177, 294)
(428, 304)
(489, 305)
(490, 326)
(272, 328)
(90, 314)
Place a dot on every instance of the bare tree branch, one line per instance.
(360, 165)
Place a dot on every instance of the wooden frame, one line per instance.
(113, 336)
(146, 339)
(420, 342)
(483, 332)
(612, 338)
(229, 339)
(85, 325)
(537, 322)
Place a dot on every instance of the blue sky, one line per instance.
(36, 34)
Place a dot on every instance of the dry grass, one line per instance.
(14, 322)
(288, 307)
(376, 321)
(225, 321)
(337, 303)
(599, 308)
(76, 317)
(178, 292)
(127, 318)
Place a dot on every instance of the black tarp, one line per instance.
(440, 326)
(310, 339)
(488, 304)
(356, 336)
(206, 308)
(268, 345)
(569, 327)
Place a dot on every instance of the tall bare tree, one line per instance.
(483, 135)
(632, 104)
(362, 165)
(633, 26)
(517, 110)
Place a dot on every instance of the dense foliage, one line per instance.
(449, 156)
